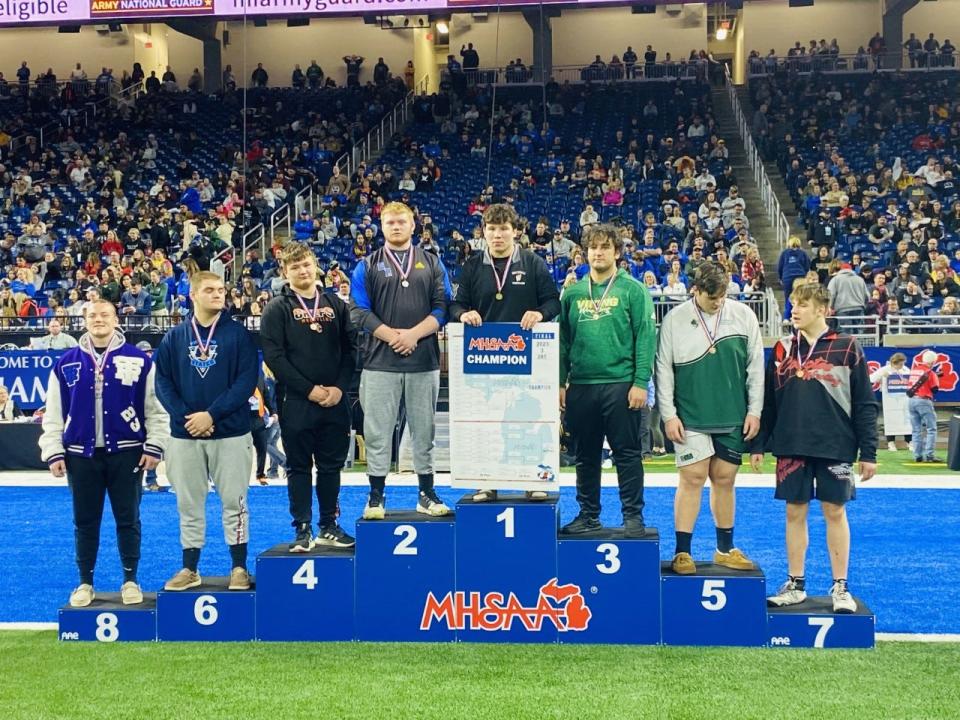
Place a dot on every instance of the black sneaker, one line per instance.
(428, 503)
(335, 536)
(633, 527)
(581, 524)
(933, 459)
(376, 506)
(303, 542)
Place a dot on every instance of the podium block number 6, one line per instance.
(714, 598)
(405, 546)
(107, 630)
(611, 558)
(506, 517)
(205, 610)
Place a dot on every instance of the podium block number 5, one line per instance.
(205, 610)
(405, 546)
(506, 517)
(824, 624)
(714, 598)
(107, 630)
(611, 558)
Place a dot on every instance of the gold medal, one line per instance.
(800, 373)
(713, 350)
(315, 327)
(499, 296)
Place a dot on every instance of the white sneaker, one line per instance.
(536, 495)
(788, 594)
(82, 596)
(130, 593)
(429, 504)
(892, 446)
(843, 601)
(375, 508)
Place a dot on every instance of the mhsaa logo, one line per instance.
(561, 605)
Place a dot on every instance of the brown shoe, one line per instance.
(183, 580)
(735, 560)
(239, 579)
(683, 564)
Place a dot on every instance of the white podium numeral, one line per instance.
(205, 610)
(611, 558)
(405, 546)
(824, 624)
(506, 517)
(714, 598)
(107, 630)
(305, 575)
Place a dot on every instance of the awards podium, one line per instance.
(493, 572)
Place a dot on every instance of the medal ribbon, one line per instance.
(396, 263)
(100, 361)
(711, 337)
(316, 306)
(501, 281)
(813, 346)
(204, 347)
(597, 304)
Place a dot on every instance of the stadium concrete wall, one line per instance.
(774, 24)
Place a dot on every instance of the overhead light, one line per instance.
(443, 27)
(721, 33)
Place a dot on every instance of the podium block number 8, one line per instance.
(714, 598)
(506, 517)
(611, 558)
(107, 630)
(205, 610)
(405, 546)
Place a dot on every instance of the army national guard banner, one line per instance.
(504, 406)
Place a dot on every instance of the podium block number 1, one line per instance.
(506, 517)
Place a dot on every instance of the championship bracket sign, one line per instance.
(504, 406)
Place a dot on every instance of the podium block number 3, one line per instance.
(506, 517)
(408, 533)
(714, 598)
(611, 558)
(205, 610)
(107, 630)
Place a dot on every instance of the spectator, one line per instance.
(55, 339)
(8, 408)
(353, 63)
(848, 293)
(792, 265)
(381, 72)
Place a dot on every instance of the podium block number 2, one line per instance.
(506, 517)
(408, 534)
(714, 598)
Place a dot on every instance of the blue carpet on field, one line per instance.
(906, 545)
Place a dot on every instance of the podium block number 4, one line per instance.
(408, 533)
(205, 610)
(611, 558)
(714, 598)
(824, 624)
(107, 630)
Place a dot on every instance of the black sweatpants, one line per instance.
(595, 411)
(91, 480)
(321, 436)
(258, 432)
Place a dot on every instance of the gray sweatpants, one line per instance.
(380, 395)
(228, 462)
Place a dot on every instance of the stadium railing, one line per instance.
(771, 204)
(892, 61)
(641, 71)
(378, 137)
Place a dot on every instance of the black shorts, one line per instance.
(799, 480)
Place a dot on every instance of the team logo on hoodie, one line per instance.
(203, 361)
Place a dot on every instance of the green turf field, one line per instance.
(45, 679)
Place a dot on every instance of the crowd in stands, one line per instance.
(871, 163)
(129, 206)
(826, 57)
